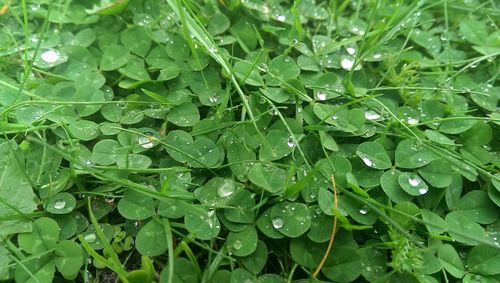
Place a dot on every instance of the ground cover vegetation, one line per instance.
(249, 141)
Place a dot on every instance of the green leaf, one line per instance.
(437, 173)
(484, 260)
(136, 39)
(344, 266)
(5, 260)
(291, 218)
(409, 154)
(478, 206)
(437, 137)
(284, 68)
(306, 253)
(61, 203)
(184, 272)
(374, 155)
(458, 125)
(16, 194)
(105, 152)
(248, 73)
(40, 269)
(205, 226)
(451, 261)
(279, 145)
(269, 177)
(151, 239)
(136, 206)
(201, 153)
(184, 115)
(113, 57)
(257, 260)
(461, 226)
(242, 243)
(42, 238)
(474, 31)
(69, 258)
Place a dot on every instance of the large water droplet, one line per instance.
(351, 50)
(423, 191)
(321, 96)
(367, 161)
(371, 115)
(50, 56)
(364, 210)
(90, 237)
(146, 142)
(277, 222)
(237, 245)
(59, 204)
(281, 18)
(225, 190)
(291, 142)
(412, 121)
(414, 180)
(347, 62)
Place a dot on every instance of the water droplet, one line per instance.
(281, 18)
(347, 62)
(334, 117)
(50, 56)
(225, 190)
(412, 121)
(59, 204)
(367, 161)
(277, 222)
(414, 180)
(211, 213)
(321, 96)
(291, 142)
(351, 50)
(273, 111)
(423, 191)
(213, 99)
(364, 210)
(371, 115)
(146, 142)
(376, 55)
(237, 245)
(90, 237)
(356, 30)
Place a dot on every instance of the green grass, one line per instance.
(249, 141)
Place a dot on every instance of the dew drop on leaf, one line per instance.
(225, 190)
(364, 210)
(281, 18)
(367, 161)
(414, 180)
(237, 245)
(146, 142)
(321, 96)
(277, 222)
(59, 204)
(291, 142)
(371, 115)
(423, 191)
(347, 62)
(50, 56)
(90, 237)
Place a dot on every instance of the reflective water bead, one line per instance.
(277, 222)
(367, 161)
(414, 180)
(60, 204)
